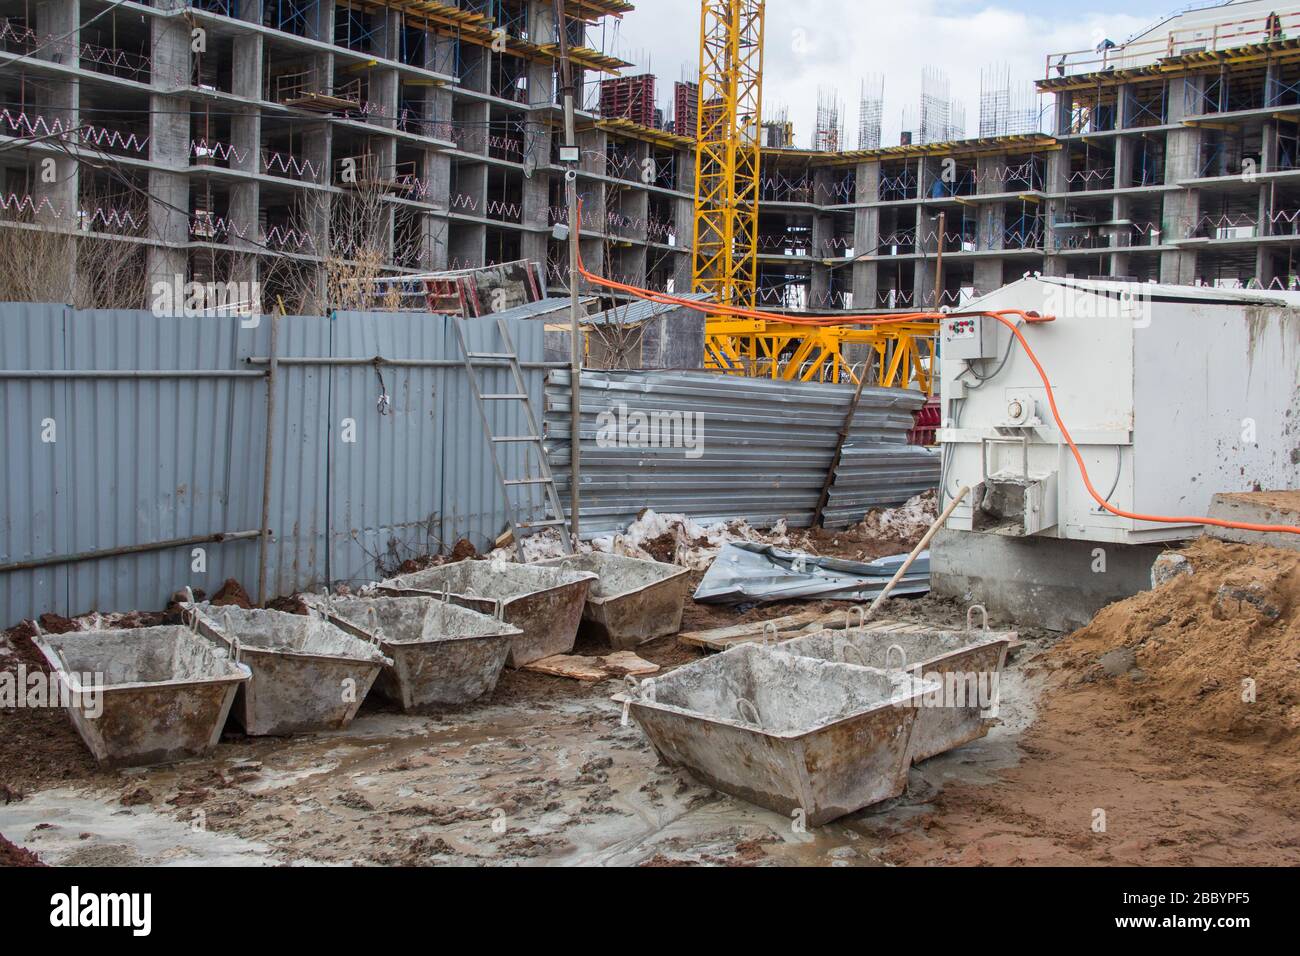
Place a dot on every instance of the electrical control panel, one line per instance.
(969, 337)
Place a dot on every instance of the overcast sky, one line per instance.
(836, 43)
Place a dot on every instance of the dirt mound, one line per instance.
(1208, 663)
(1142, 719)
(232, 594)
(464, 550)
(11, 855)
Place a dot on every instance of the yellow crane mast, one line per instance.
(730, 117)
(728, 155)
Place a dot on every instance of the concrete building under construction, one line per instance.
(222, 139)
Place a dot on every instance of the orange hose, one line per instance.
(665, 298)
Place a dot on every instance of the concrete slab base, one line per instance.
(1041, 582)
(1257, 507)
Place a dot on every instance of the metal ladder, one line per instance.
(532, 440)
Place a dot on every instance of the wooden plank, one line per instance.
(592, 670)
(721, 637)
(586, 669)
(793, 625)
(622, 663)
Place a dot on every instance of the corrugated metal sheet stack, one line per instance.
(761, 454)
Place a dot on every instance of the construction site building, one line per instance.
(1170, 157)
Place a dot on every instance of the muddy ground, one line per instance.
(544, 771)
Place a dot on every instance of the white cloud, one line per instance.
(846, 40)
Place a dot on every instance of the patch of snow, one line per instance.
(906, 522)
(695, 545)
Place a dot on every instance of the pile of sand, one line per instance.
(1207, 665)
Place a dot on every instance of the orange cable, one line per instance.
(1001, 316)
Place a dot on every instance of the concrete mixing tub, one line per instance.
(544, 603)
(441, 654)
(966, 664)
(787, 733)
(308, 675)
(632, 601)
(164, 692)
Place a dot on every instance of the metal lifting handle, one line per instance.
(970, 613)
(902, 656)
(228, 626)
(847, 650)
(1022, 440)
(372, 625)
(743, 704)
(848, 617)
(191, 614)
(770, 634)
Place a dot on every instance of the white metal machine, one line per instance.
(1171, 393)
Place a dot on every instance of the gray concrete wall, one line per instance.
(1044, 582)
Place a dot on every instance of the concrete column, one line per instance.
(541, 75)
(1119, 259)
(989, 274)
(466, 245)
(436, 172)
(1185, 102)
(246, 84)
(1064, 113)
(865, 288)
(382, 91)
(1181, 207)
(683, 273)
(1055, 181)
(1124, 150)
(169, 142)
(246, 138)
(440, 54)
(320, 21)
(317, 148)
(1269, 147)
(57, 175)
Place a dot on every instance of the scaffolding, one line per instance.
(871, 109)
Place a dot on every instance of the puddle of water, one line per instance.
(68, 827)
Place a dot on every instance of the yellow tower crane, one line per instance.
(728, 157)
(727, 153)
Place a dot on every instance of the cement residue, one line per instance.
(544, 772)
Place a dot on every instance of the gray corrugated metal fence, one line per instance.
(764, 449)
(124, 429)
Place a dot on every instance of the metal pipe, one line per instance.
(128, 549)
(575, 331)
(343, 362)
(126, 374)
(268, 460)
(938, 262)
